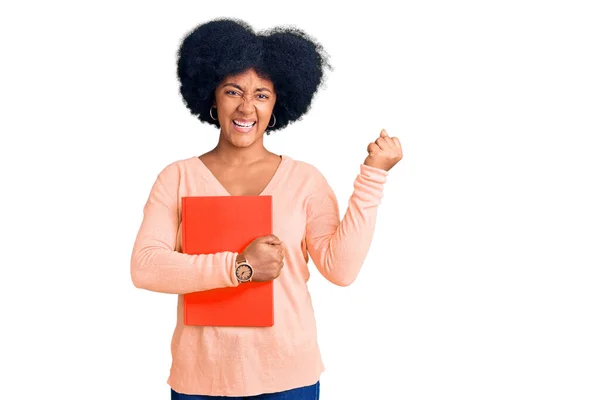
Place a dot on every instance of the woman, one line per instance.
(247, 84)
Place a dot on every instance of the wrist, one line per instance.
(373, 173)
(243, 270)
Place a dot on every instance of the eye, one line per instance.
(263, 96)
(231, 92)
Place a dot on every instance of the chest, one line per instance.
(243, 183)
(289, 199)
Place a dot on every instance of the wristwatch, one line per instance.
(243, 270)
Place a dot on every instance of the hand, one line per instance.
(265, 255)
(385, 152)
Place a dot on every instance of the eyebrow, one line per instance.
(261, 89)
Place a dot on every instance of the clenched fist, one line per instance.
(385, 152)
(265, 254)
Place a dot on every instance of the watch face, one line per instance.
(243, 272)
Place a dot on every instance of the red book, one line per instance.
(213, 224)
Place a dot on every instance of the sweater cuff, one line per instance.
(368, 186)
(373, 174)
(234, 279)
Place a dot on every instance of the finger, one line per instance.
(272, 239)
(383, 133)
(372, 148)
(383, 142)
(390, 142)
(396, 141)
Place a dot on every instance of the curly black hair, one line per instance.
(287, 56)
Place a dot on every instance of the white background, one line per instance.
(483, 278)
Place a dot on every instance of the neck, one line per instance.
(231, 155)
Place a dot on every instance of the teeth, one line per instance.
(245, 125)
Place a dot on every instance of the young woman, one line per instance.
(248, 84)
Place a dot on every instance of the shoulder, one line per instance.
(175, 170)
(304, 169)
(307, 173)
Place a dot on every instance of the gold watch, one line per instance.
(243, 270)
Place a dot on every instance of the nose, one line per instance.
(246, 106)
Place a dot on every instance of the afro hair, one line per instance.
(287, 56)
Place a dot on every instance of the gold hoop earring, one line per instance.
(274, 121)
(210, 112)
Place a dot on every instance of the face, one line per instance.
(244, 106)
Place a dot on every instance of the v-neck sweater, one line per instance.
(247, 361)
(222, 191)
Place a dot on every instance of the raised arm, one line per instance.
(156, 265)
(339, 249)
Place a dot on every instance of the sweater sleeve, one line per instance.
(156, 265)
(339, 249)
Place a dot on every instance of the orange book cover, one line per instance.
(213, 224)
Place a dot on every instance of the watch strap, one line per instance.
(239, 259)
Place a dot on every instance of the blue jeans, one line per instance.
(303, 393)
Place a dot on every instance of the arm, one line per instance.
(156, 266)
(339, 249)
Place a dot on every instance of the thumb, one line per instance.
(272, 239)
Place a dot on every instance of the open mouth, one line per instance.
(244, 124)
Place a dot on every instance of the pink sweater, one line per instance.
(234, 361)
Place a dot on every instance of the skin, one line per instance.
(244, 166)
(246, 97)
